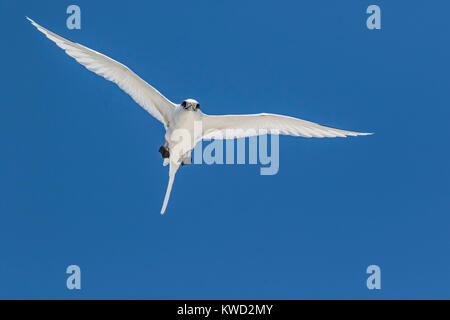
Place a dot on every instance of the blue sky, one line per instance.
(82, 182)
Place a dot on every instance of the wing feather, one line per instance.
(240, 126)
(144, 94)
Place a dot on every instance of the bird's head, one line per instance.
(190, 104)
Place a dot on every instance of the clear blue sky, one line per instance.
(81, 180)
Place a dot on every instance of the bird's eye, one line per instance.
(198, 105)
(183, 104)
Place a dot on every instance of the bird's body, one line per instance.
(180, 138)
(185, 123)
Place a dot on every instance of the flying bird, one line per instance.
(179, 119)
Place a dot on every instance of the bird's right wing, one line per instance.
(247, 125)
(144, 94)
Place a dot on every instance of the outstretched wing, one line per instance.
(144, 94)
(240, 126)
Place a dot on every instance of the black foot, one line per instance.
(188, 161)
(164, 152)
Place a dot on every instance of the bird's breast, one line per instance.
(184, 129)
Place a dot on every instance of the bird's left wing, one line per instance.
(144, 94)
(240, 126)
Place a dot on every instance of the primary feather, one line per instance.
(240, 126)
(144, 94)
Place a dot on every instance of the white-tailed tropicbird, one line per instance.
(182, 117)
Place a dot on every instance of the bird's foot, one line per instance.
(164, 152)
(186, 161)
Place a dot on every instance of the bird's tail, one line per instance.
(172, 171)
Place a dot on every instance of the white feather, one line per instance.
(247, 125)
(144, 94)
(174, 117)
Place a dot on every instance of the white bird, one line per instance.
(179, 119)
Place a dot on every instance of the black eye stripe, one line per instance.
(184, 105)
